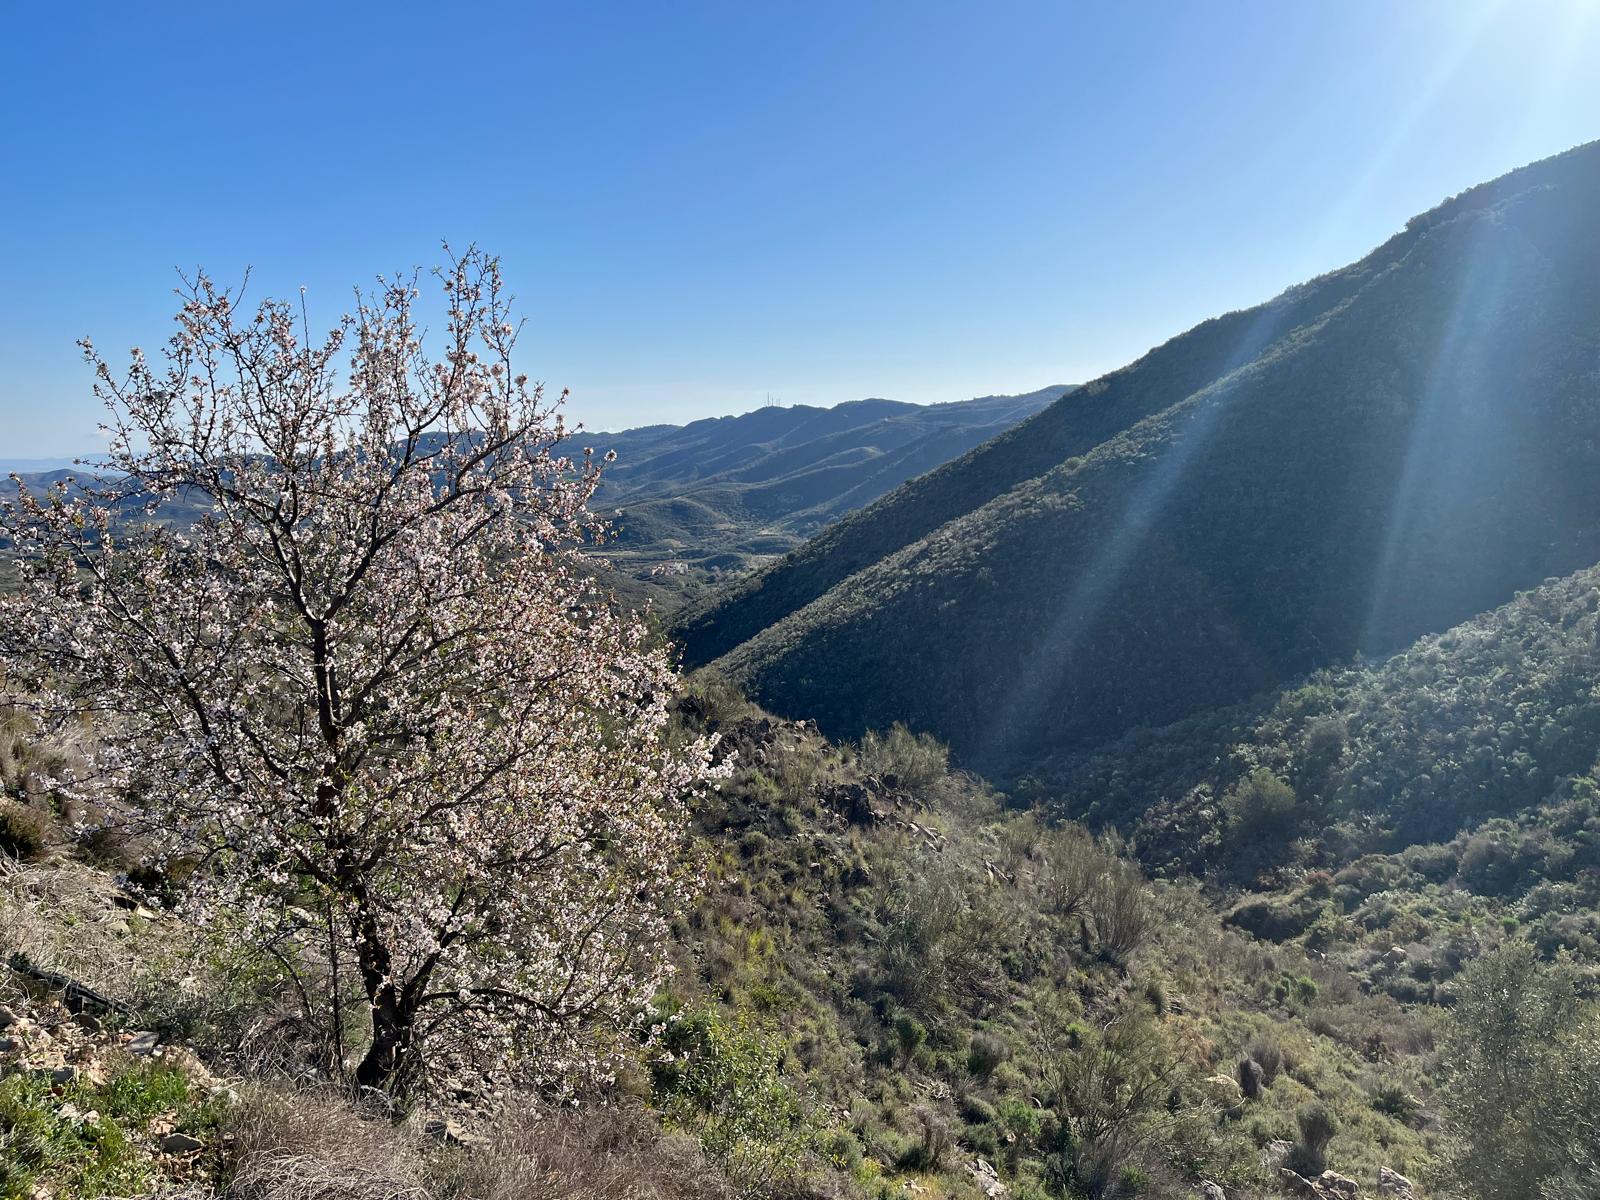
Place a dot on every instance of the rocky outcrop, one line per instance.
(1330, 1185)
(1392, 1183)
(987, 1178)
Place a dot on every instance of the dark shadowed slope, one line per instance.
(1396, 447)
(1075, 424)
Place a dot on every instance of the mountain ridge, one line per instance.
(1480, 299)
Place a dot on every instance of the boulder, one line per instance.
(1392, 1183)
(180, 1143)
(1330, 1185)
(1223, 1089)
(1275, 1154)
(987, 1179)
(851, 800)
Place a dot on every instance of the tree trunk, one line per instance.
(391, 1042)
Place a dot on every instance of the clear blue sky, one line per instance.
(702, 204)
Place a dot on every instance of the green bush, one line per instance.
(1317, 1127)
(910, 1033)
(24, 830)
(721, 1081)
(916, 760)
(985, 1053)
(1261, 806)
(1522, 1056)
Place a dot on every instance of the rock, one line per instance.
(1211, 1191)
(1330, 1185)
(63, 1074)
(142, 1043)
(180, 1143)
(8, 1044)
(451, 1133)
(987, 1179)
(1392, 1183)
(189, 1063)
(852, 800)
(1223, 1089)
(1275, 1154)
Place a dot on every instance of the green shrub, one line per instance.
(910, 1033)
(721, 1081)
(916, 760)
(1522, 1056)
(985, 1053)
(978, 1111)
(1393, 1100)
(1267, 1051)
(1317, 1127)
(1261, 806)
(24, 830)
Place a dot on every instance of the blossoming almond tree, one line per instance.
(371, 695)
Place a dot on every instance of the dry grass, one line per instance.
(61, 915)
(593, 1155)
(315, 1146)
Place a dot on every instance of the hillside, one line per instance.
(1452, 787)
(725, 491)
(891, 986)
(1379, 454)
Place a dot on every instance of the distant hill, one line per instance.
(1377, 454)
(717, 495)
(723, 491)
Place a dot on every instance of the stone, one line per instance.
(451, 1133)
(1330, 1185)
(63, 1074)
(1211, 1191)
(180, 1143)
(1275, 1154)
(987, 1179)
(142, 1044)
(1392, 1183)
(1223, 1089)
